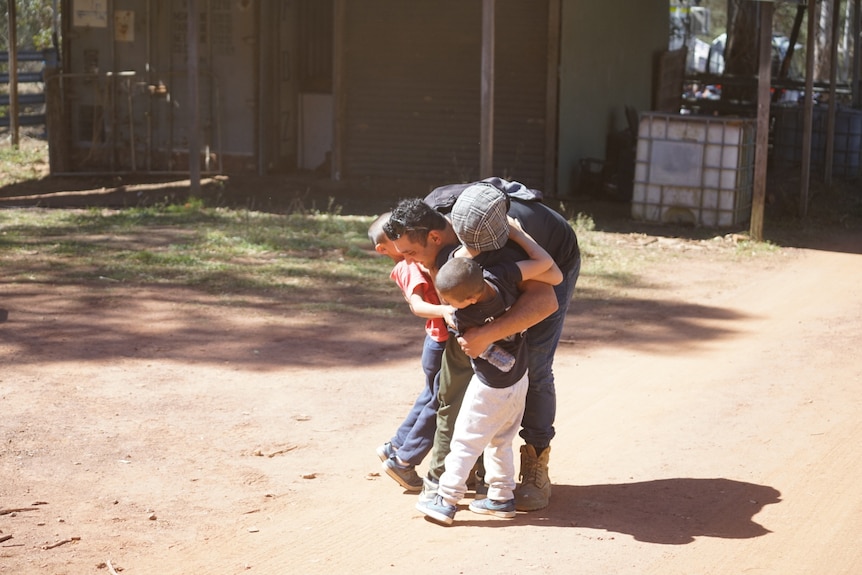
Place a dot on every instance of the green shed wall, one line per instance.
(606, 63)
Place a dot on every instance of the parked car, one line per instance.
(780, 45)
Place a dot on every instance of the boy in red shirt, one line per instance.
(415, 436)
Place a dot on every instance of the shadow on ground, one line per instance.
(664, 511)
(58, 323)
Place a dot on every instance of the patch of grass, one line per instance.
(313, 258)
(604, 266)
(27, 162)
(317, 261)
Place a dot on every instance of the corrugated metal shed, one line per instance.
(352, 88)
(412, 90)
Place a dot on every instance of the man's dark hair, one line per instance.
(413, 218)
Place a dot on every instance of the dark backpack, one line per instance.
(443, 198)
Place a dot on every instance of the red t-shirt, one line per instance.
(411, 278)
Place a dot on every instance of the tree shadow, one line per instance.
(62, 323)
(654, 325)
(664, 511)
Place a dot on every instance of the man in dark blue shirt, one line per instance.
(421, 233)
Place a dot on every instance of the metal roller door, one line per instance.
(411, 89)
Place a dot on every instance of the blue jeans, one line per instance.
(537, 426)
(415, 435)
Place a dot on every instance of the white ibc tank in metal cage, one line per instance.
(696, 170)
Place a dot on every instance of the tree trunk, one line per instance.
(822, 45)
(740, 55)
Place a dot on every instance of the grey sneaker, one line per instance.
(496, 508)
(386, 451)
(405, 476)
(438, 510)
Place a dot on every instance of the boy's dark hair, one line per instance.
(413, 218)
(460, 278)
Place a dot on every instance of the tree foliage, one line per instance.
(35, 24)
(739, 19)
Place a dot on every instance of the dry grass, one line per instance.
(28, 162)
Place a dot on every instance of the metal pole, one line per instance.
(13, 75)
(486, 142)
(192, 106)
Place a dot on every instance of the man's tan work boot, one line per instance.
(534, 492)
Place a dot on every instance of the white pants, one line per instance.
(488, 420)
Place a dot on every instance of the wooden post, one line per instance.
(486, 141)
(551, 98)
(833, 78)
(192, 106)
(808, 111)
(857, 57)
(13, 75)
(763, 100)
(57, 150)
(338, 93)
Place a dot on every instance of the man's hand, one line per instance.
(474, 341)
(536, 302)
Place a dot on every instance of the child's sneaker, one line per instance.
(438, 510)
(496, 508)
(405, 476)
(385, 451)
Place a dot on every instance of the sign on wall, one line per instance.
(124, 26)
(90, 13)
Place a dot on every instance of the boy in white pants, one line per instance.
(493, 405)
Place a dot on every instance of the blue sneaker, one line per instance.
(438, 510)
(405, 476)
(496, 508)
(386, 451)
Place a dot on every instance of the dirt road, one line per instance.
(710, 422)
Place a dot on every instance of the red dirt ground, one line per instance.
(709, 422)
